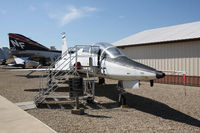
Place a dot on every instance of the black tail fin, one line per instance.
(20, 42)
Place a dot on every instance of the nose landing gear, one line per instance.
(122, 98)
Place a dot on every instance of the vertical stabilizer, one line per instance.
(64, 43)
(19, 42)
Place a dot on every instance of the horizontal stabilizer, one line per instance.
(20, 60)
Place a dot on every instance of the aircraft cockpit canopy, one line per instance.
(107, 50)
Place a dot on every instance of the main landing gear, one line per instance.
(101, 81)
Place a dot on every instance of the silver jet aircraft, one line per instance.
(106, 61)
(101, 60)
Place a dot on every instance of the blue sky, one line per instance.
(90, 21)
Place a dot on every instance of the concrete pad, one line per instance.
(26, 105)
(15, 120)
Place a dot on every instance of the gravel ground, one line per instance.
(162, 108)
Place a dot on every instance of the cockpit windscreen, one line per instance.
(109, 50)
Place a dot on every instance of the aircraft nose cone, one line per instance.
(160, 74)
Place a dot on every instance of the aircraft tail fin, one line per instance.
(20, 42)
(64, 43)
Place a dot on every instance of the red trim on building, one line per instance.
(179, 80)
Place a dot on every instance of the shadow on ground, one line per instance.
(59, 89)
(31, 76)
(137, 102)
(147, 105)
(96, 116)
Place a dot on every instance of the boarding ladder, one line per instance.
(55, 75)
(49, 79)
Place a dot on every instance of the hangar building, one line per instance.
(173, 49)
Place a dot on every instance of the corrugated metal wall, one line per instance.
(179, 56)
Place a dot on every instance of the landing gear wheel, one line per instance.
(122, 101)
(151, 83)
(90, 100)
(101, 81)
(122, 98)
(24, 66)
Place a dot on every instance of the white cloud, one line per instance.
(90, 9)
(71, 13)
(2, 11)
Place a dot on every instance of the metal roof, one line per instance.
(165, 34)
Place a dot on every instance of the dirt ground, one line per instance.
(162, 108)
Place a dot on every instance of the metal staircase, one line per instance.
(50, 78)
(60, 71)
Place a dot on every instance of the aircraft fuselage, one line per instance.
(118, 68)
